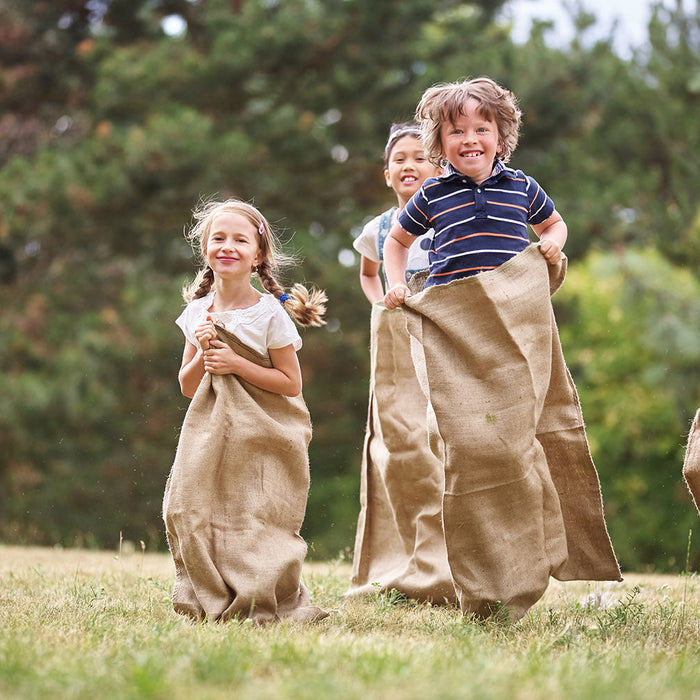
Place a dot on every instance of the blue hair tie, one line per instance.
(283, 298)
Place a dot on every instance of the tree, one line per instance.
(288, 104)
(630, 329)
(284, 103)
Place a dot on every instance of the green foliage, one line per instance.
(630, 329)
(88, 412)
(124, 129)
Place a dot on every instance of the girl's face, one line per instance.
(407, 168)
(470, 142)
(233, 246)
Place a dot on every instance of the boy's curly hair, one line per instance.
(445, 102)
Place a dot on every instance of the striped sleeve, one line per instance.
(413, 217)
(541, 207)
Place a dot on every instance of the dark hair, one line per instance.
(397, 132)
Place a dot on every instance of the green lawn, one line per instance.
(83, 624)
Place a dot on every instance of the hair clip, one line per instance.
(261, 228)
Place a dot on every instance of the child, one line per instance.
(236, 495)
(522, 501)
(473, 126)
(405, 169)
(400, 543)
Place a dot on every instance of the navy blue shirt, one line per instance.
(477, 227)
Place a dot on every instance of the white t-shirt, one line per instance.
(367, 244)
(262, 326)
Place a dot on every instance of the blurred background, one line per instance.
(117, 116)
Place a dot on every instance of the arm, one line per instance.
(552, 232)
(395, 258)
(369, 280)
(284, 377)
(192, 366)
(191, 369)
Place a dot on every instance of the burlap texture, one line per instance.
(235, 501)
(400, 543)
(522, 498)
(691, 463)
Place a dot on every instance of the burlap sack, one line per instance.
(400, 543)
(235, 501)
(522, 499)
(691, 463)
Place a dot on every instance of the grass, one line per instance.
(83, 624)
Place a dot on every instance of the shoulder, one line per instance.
(375, 223)
(534, 190)
(193, 314)
(540, 206)
(266, 313)
(281, 330)
(371, 227)
(511, 175)
(271, 308)
(433, 183)
(367, 243)
(519, 178)
(195, 308)
(269, 305)
(511, 179)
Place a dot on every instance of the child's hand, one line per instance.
(396, 296)
(220, 358)
(205, 332)
(551, 251)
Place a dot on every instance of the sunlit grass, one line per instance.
(80, 624)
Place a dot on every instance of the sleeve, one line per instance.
(282, 331)
(541, 207)
(366, 243)
(188, 320)
(413, 217)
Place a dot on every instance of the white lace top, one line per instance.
(262, 326)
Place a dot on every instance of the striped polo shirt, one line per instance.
(477, 227)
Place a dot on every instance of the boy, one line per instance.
(521, 498)
(480, 209)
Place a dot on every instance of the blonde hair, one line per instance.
(445, 102)
(305, 307)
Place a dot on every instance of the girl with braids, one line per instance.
(235, 241)
(236, 495)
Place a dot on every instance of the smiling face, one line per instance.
(233, 245)
(470, 142)
(407, 168)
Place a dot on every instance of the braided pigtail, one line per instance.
(305, 307)
(268, 280)
(201, 285)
